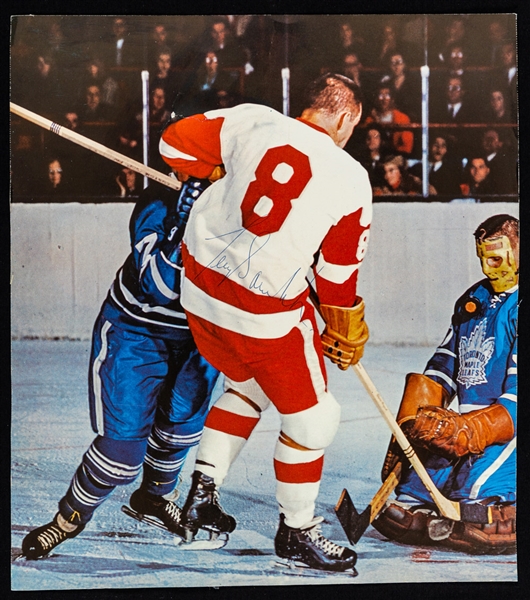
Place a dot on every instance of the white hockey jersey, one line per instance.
(291, 201)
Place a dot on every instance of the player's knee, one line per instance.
(314, 427)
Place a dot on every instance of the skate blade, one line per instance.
(153, 521)
(297, 567)
(195, 540)
(214, 542)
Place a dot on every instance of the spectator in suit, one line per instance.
(95, 74)
(121, 49)
(93, 109)
(229, 53)
(352, 67)
(406, 89)
(444, 168)
(477, 182)
(386, 114)
(501, 162)
(129, 183)
(507, 74)
(374, 153)
(44, 93)
(163, 76)
(455, 109)
(498, 110)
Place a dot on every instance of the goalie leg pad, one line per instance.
(405, 525)
(314, 427)
(498, 537)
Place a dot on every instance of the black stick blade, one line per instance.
(353, 522)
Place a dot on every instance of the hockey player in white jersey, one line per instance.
(470, 454)
(293, 204)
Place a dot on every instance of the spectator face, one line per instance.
(384, 100)
(496, 32)
(397, 65)
(491, 142)
(438, 149)
(351, 66)
(43, 66)
(456, 58)
(479, 170)
(508, 55)
(130, 178)
(373, 140)
(497, 102)
(160, 34)
(389, 34)
(55, 173)
(211, 63)
(71, 120)
(93, 69)
(119, 28)
(455, 91)
(93, 97)
(219, 33)
(158, 98)
(163, 64)
(346, 34)
(392, 175)
(456, 30)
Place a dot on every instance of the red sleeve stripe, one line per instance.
(219, 286)
(310, 472)
(228, 422)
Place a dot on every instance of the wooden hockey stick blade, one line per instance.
(448, 508)
(96, 147)
(355, 523)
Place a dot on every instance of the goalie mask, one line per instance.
(498, 262)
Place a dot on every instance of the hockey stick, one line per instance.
(472, 513)
(96, 147)
(355, 523)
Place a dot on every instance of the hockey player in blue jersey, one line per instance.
(470, 454)
(149, 389)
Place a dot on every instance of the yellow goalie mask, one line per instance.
(498, 262)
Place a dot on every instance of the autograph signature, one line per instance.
(243, 269)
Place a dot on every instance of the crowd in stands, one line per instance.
(84, 73)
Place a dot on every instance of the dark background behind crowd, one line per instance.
(84, 72)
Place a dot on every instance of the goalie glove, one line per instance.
(420, 390)
(452, 435)
(345, 334)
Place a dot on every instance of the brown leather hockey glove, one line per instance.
(345, 334)
(420, 390)
(452, 435)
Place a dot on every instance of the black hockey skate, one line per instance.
(165, 512)
(203, 511)
(43, 540)
(307, 547)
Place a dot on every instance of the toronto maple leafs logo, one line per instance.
(475, 353)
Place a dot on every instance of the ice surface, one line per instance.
(51, 431)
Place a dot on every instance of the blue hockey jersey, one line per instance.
(477, 360)
(145, 295)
